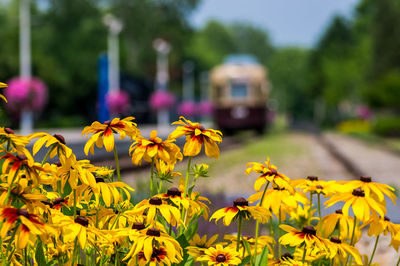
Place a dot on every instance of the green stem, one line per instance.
(309, 211)
(10, 187)
(373, 252)
(239, 232)
(151, 178)
(349, 259)
(187, 175)
(271, 232)
(319, 206)
(304, 253)
(398, 262)
(48, 154)
(160, 186)
(258, 224)
(116, 219)
(117, 164)
(279, 233)
(11, 240)
(74, 203)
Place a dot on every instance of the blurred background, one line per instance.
(318, 82)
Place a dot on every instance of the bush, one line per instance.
(388, 126)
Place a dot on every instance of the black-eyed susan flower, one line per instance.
(175, 196)
(12, 142)
(313, 185)
(286, 259)
(156, 205)
(241, 208)
(372, 189)
(152, 241)
(262, 241)
(295, 238)
(361, 204)
(302, 215)
(154, 149)
(279, 200)
(3, 85)
(222, 256)
(103, 134)
(334, 220)
(198, 245)
(269, 173)
(73, 171)
(196, 135)
(25, 223)
(339, 251)
(56, 144)
(378, 226)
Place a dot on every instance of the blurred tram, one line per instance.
(239, 91)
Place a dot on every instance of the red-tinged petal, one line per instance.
(108, 140)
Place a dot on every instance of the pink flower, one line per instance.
(205, 108)
(161, 100)
(187, 108)
(22, 93)
(118, 102)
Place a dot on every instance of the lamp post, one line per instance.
(26, 122)
(162, 48)
(114, 28)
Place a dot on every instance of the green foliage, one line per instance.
(385, 92)
(387, 126)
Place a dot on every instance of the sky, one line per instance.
(288, 22)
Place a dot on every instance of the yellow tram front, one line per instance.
(239, 90)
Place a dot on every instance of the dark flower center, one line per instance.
(82, 221)
(155, 201)
(366, 179)
(312, 178)
(308, 229)
(9, 130)
(23, 176)
(358, 192)
(174, 191)
(138, 226)
(99, 180)
(339, 211)
(319, 187)
(58, 201)
(287, 256)
(386, 218)
(202, 128)
(153, 232)
(58, 164)
(335, 239)
(272, 172)
(21, 157)
(241, 202)
(60, 138)
(220, 258)
(278, 188)
(23, 212)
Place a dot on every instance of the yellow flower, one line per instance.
(302, 215)
(268, 172)
(222, 256)
(313, 185)
(371, 189)
(378, 226)
(170, 213)
(148, 246)
(199, 245)
(280, 200)
(56, 143)
(286, 259)
(241, 208)
(339, 251)
(154, 148)
(103, 134)
(14, 143)
(361, 204)
(295, 238)
(72, 171)
(3, 85)
(261, 243)
(345, 224)
(196, 135)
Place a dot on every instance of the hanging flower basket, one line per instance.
(161, 100)
(26, 94)
(118, 102)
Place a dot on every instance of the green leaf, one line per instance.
(262, 259)
(39, 254)
(183, 243)
(246, 245)
(245, 261)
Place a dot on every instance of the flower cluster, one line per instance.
(73, 212)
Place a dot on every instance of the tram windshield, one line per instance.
(239, 90)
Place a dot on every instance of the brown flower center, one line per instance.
(386, 218)
(287, 256)
(319, 187)
(220, 258)
(23, 212)
(58, 163)
(82, 221)
(155, 201)
(241, 202)
(60, 138)
(174, 191)
(308, 229)
(339, 211)
(272, 172)
(312, 178)
(138, 226)
(358, 192)
(58, 201)
(99, 180)
(21, 157)
(153, 232)
(366, 179)
(9, 130)
(335, 239)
